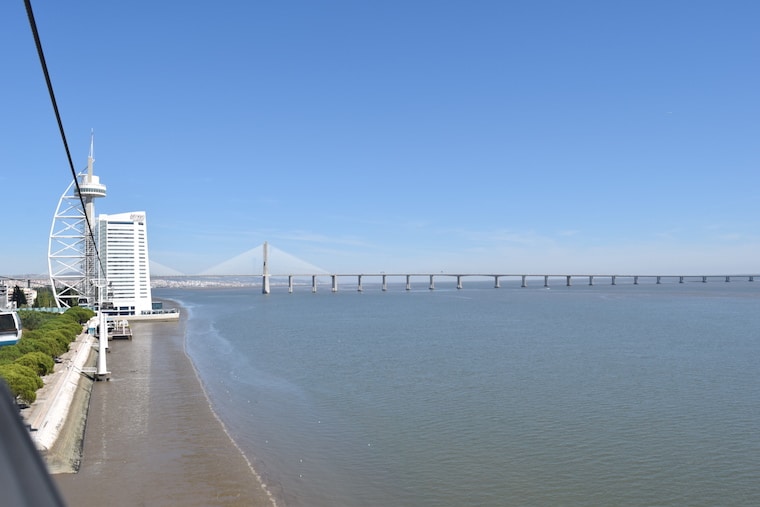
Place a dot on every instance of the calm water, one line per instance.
(624, 395)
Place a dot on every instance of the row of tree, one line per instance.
(46, 336)
(44, 299)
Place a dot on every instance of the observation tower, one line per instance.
(72, 259)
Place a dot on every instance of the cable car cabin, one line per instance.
(10, 328)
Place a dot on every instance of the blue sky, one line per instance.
(461, 136)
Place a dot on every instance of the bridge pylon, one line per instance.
(265, 271)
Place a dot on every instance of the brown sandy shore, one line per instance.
(150, 436)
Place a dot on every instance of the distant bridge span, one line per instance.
(497, 277)
(237, 267)
(292, 268)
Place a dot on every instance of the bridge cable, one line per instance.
(40, 53)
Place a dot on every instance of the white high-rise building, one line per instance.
(123, 248)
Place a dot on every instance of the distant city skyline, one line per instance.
(397, 136)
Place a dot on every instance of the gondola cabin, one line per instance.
(10, 328)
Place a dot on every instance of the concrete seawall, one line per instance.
(56, 420)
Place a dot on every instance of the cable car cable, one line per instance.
(43, 63)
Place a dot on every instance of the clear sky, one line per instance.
(471, 136)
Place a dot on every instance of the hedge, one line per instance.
(46, 336)
(22, 381)
(40, 362)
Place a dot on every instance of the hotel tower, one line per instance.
(123, 248)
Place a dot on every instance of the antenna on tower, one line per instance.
(91, 157)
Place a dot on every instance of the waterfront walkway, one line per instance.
(47, 415)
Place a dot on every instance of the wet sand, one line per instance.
(151, 437)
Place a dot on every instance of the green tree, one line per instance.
(40, 362)
(22, 381)
(10, 353)
(18, 296)
(79, 314)
(46, 335)
(45, 298)
(34, 320)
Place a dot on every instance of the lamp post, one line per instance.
(103, 372)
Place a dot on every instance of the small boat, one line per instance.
(10, 328)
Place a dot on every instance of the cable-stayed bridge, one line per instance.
(268, 262)
(248, 263)
(251, 262)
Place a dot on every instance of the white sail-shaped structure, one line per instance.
(72, 260)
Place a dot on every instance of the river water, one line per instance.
(606, 395)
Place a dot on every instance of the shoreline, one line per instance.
(148, 436)
(253, 470)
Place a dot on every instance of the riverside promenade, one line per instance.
(66, 393)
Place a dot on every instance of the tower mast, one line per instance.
(72, 264)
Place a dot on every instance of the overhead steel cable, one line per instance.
(43, 63)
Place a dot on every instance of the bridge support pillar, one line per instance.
(635, 280)
(680, 279)
(334, 283)
(658, 280)
(613, 279)
(385, 284)
(359, 283)
(459, 281)
(704, 279)
(591, 280)
(546, 280)
(290, 284)
(751, 278)
(432, 283)
(265, 270)
(728, 279)
(313, 283)
(569, 280)
(265, 284)
(496, 282)
(524, 284)
(408, 282)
